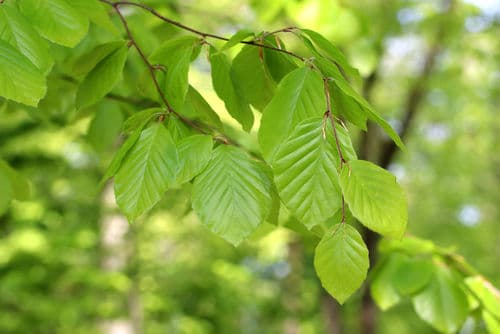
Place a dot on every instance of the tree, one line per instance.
(304, 170)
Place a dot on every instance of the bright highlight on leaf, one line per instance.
(147, 171)
(102, 78)
(305, 169)
(299, 96)
(232, 196)
(374, 197)
(341, 261)
(20, 80)
(56, 20)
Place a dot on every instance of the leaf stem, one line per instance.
(195, 31)
(329, 115)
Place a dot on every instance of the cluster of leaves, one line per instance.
(306, 160)
(444, 289)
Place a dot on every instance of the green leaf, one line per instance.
(237, 38)
(412, 276)
(331, 51)
(178, 129)
(374, 197)
(408, 245)
(232, 196)
(6, 193)
(120, 155)
(382, 287)
(176, 55)
(197, 108)
(85, 63)
(251, 78)
(387, 128)
(139, 118)
(492, 323)
(235, 104)
(96, 12)
(102, 78)
(487, 294)
(20, 80)
(347, 108)
(17, 31)
(442, 303)
(56, 20)
(277, 63)
(194, 154)
(146, 172)
(305, 169)
(341, 261)
(105, 127)
(299, 96)
(19, 186)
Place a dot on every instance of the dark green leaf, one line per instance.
(235, 104)
(102, 78)
(251, 78)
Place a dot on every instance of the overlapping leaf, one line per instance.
(252, 78)
(442, 303)
(146, 172)
(235, 103)
(194, 154)
(374, 198)
(17, 31)
(299, 96)
(176, 55)
(232, 195)
(20, 80)
(102, 78)
(56, 20)
(341, 261)
(305, 169)
(96, 13)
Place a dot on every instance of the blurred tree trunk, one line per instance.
(375, 147)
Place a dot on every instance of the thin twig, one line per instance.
(195, 31)
(329, 115)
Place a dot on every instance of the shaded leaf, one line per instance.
(235, 104)
(102, 78)
(194, 154)
(442, 303)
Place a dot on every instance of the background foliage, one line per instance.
(70, 263)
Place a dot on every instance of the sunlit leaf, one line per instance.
(374, 197)
(146, 172)
(341, 261)
(299, 96)
(232, 196)
(20, 80)
(194, 154)
(56, 20)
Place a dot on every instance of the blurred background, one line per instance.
(70, 263)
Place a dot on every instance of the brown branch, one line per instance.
(195, 31)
